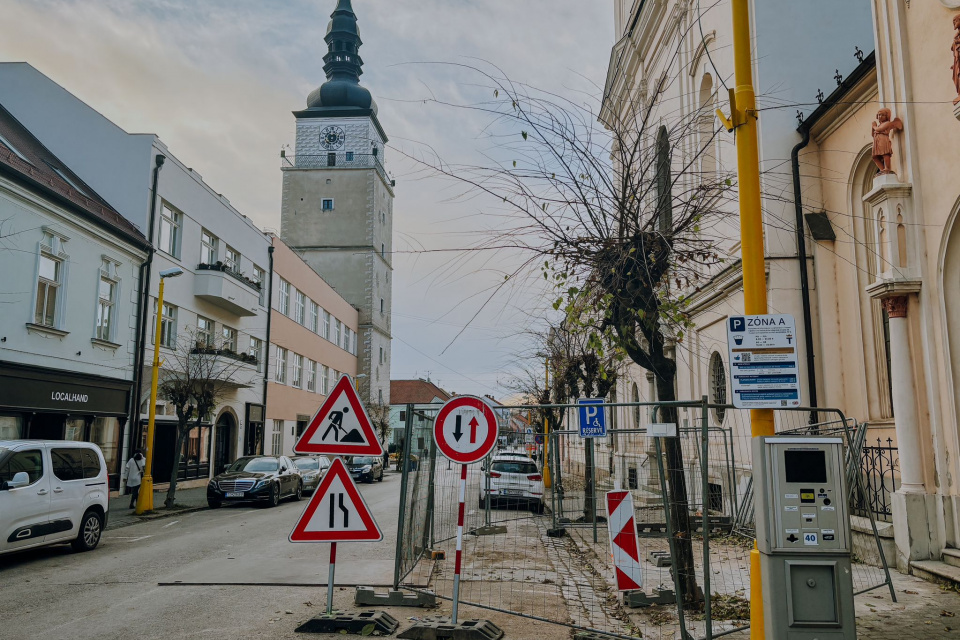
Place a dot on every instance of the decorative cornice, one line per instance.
(889, 287)
(887, 186)
(951, 4)
(701, 49)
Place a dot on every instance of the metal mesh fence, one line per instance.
(555, 564)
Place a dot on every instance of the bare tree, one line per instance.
(200, 374)
(380, 419)
(619, 217)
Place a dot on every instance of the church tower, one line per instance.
(337, 208)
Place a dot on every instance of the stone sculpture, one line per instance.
(956, 57)
(883, 126)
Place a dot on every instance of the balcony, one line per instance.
(237, 370)
(227, 289)
(336, 161)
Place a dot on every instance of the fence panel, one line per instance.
(556, 565)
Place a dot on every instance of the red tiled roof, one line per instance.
(41, 168)
(415, 392)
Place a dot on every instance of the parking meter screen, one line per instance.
(805, 467)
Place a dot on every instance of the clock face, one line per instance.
(331, 138)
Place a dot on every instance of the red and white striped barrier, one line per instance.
(456, 569)
(624, 544)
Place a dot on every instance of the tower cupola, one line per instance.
(342, 65)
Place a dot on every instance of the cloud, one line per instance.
(217, 81)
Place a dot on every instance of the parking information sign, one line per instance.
(593, 421)
(764, 366)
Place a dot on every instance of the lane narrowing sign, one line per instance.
(336, 512)
(465, 429)
(340, 426)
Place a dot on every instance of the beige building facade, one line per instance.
(313, 341)
(889, 284)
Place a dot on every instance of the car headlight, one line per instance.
(261, 483)
(366, 469)
(214, 484)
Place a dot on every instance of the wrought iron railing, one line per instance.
(343, 160)
(880, 466)
(225, 268)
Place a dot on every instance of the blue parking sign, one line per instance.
(593, 420)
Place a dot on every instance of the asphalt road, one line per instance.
(210, 574)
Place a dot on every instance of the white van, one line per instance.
(52, 492)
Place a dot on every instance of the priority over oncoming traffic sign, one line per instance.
(336, 512)
(341, 426)
(465, 429)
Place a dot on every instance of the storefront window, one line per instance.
(105, 433)
(9, 427)
(75, 427)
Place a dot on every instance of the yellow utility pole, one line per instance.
(743, 120)
(547, 481)
(145, 496)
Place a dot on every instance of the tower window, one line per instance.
(381, 305)
(718, 385)
(349, 156)
(331, 159)
(383, 250)
(327, 204)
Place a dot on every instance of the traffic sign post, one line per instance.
(465, 431)
(764, 364)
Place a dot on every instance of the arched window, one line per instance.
(718, 385)
(636, 410)
(663, 180)
(708, 158)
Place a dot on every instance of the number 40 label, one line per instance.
(810, 539)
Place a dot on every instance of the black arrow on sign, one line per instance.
(458, 431)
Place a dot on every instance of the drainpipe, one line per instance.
(804, 278)
(134, 421)
(266, 351)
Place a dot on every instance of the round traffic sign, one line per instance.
(465, 429)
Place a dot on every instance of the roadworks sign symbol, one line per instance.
(623, 540)
(341, 426)
(336, 512)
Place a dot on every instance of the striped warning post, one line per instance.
(624, 544)
(457, 565)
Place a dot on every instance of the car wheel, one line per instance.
(380, 479)
(299, 493)
(214, 504)
(537, 507)
(91, 528)
(274, 496)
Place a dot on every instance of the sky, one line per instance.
(217, 81)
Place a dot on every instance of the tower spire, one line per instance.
(342, 64)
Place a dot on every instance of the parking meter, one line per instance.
(803, 535)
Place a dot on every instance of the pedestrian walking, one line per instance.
(133, 474)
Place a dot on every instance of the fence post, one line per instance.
(407, 435)
(551, 454)
(593, 486)
(431, 495)
(674, 567)
(705, 491)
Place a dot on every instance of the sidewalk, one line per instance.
(121, 515)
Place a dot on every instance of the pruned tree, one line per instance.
(622, 225)
(380, 419)
(200, 374)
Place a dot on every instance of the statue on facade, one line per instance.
(956, 57)
(883, 126)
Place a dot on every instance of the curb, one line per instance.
(156, 516)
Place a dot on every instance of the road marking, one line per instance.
(129, 538)
(170, 524)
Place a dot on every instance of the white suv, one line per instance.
(51, 492)
(514, 479)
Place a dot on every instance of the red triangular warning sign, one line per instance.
(336, 512)
(625, 582)
(627, 540)
(341, 426)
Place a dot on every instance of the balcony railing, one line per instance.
(225, 268)
(225, 353)
(346, 160)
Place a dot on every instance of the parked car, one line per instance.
(52, 492)
(514, 480)
(256, 479)
(365, 468)
(312, 468)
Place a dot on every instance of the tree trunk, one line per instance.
(175, 473)
(683, 562)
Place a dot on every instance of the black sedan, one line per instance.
(365, 468)
(266, 479)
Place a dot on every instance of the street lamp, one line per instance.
(145, 496)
